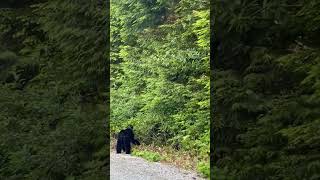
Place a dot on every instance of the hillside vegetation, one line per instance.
(53, 90)
(160, 73)
(265, 90)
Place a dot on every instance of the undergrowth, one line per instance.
(150, 156)
(181, 159)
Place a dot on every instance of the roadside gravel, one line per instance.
(127, 167)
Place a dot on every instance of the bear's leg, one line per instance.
(119, 145)
(123, 147)
(127, 145)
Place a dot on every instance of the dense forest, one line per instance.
(260, 88)
(160, 73)
(54, 89)
(264, 82)
(265, 93)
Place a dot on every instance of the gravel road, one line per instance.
(127, 167)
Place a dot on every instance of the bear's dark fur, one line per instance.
(125, 138)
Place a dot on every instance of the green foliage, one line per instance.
(265, 90)
(150, 156)
(160, 72)
(222, 174)
(201, 28)
(204, 168)
(53, 67)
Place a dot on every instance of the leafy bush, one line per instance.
(53, 90)
(160, 72)
(150, 156)
(204, 168)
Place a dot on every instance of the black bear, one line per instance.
(125, 138)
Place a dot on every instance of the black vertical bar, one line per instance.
(212, 59)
